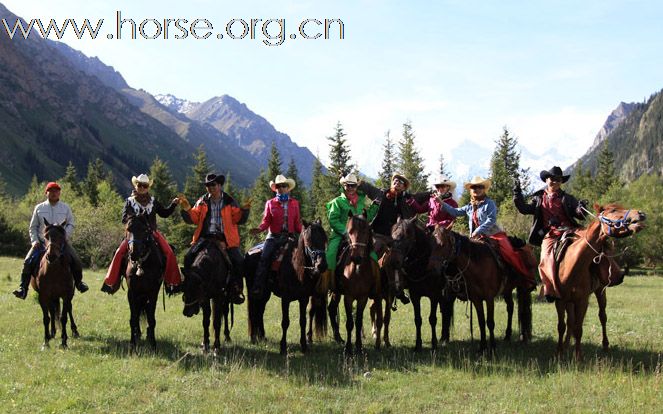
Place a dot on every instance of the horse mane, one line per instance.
(299, 259)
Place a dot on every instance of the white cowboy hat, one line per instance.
(349, 179)
(477, 180)
(406, 182)
(444, 180)
(143, 179)
(280, 179)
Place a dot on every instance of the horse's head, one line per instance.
(445, 242)
(617, 221)
(314, 241)
(404, 236)
(359, 237)
(56, 238)
(139, 235)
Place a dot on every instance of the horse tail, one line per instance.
(525, 312)
(319, 313)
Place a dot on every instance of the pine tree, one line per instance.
(299, 193)
(504, 168)
(194, 184)
(316, 207)
(70, 177)
(410, 163)
(95, 175)
(388, 162)
(605, 170)
(163, 187)
(443, 167)
(339, 154)
(274, 164)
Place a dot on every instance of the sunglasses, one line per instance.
(141, 185)
(442, 186)
(210, 185)
(556, 179)
(398, 181)
(350, 185)
(476, 187)
(281, 185)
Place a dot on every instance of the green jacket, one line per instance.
(338, 208)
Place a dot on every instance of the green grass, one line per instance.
(97, 374)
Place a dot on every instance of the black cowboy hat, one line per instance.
(213, 178)
(554, 172)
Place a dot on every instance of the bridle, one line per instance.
(50, 243)
(132, 240)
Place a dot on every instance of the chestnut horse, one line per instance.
(296, 280)
(358, 279)
(54, 281)
(575, 282)
(144, 276)
(480, 278)
(205, 288)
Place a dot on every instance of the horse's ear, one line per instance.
(64, 223)
(364, 213)
(305, 223)
(598, 208)
(398, 220)
(449, 227)
(46, 223)
(318, 221)
(350, 215)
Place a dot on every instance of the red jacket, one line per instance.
(272, 218)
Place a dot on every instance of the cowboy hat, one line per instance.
(214, 178)
(280, 179)
(444, 180)
(477, 180)
(406, 182)
(554, 172)
(142, 179)
(349, 179)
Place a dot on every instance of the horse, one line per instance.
(359, 279)
(204, 287)
(479, 277)
(411, 253)
(54, 282)
(296, 280)
(144, 276)
(574, 277)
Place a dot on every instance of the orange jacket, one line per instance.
(231, 215)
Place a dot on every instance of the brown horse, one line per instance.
(478, 277)
(359, 280)
(296, 280)
(575, 282)
(54, 281)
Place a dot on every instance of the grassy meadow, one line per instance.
(97, 373)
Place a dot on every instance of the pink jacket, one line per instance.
(272, 218)
(436, 214)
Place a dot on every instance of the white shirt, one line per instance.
(55, 214)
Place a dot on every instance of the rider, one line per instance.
(56, 212)
(482, 217)
(443, 193)
(392, 204)
(337, 212)
(555, 212)
(281, 218)
(217, 216)
(141, 201)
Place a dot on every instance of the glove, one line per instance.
(184, 203)
(516, 188)
(407, 195)
(445, 196)
(582, 204)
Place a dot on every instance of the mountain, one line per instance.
(248, 129)
(636, 141)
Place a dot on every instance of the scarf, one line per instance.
(142, 199)
(391, 194)
(353, 199)
(282, 197)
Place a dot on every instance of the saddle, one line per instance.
(494, 248)
(559, 248)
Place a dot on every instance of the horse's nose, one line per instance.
(642, 216)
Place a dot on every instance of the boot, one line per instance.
(402, 297)
(235, 294)
(82, 287)
(109, 289)
(22, 291)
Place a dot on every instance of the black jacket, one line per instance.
(157, 208)
(389, 210)
(539, 228)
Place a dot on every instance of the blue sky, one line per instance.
(458, 70)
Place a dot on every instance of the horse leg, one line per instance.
(347, 303)
(447, 309)
(206, 320)
(432, 320)
(581, 310)
(302, 324)
(334, 318)
(478, 305)
(261, 319)
(561, 326)
(54, 306)
(74, 328)
(525, 314)
(570, 323)
(46, 319)
(285, 323)
(372, 313)
(385, 322)
(379, 321)
(602, 300)
(359, 328)
(490, 321)
(225, 311)
(134, 320)
(216, 322)
(416, 305)
(150, 311)
(508, 299)
(311, 315)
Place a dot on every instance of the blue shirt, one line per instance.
(486, 215)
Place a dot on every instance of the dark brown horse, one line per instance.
(575, 282)
(478, 277)
(358, 279)
(411, 254)
(144, 276)
(295, 280)
(54, 282)
(205, 288)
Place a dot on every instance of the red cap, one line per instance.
(52, 186)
